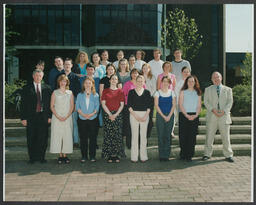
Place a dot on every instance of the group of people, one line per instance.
(121, 97)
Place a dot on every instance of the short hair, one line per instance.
(216, 72)
(183, 68)
(121, 52)
(78, 57)
(140, 76)
(132, 56)
(143, 54)
(168, 78)
(58, 57)
(134, 70)
(94, 53)
(104, 51)
(40, 62)
(69, 59)
(126, 62)
(37, 71)
(169, 63)
(177, 49)
(90, 65)
(157, 49)
(110, 65)
(63, 77)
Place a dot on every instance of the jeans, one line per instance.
(164, 130)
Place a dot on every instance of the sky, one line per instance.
(239, 28)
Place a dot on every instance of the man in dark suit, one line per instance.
(36, 116)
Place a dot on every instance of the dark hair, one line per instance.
(177, 49)
(132, 56)
(90, 65)
(93, 55)
(58, 57)
(196, 86)
(40, 62)
(110, 64)
(143, 54)
(167, 77)
(185, 67)
(133, 71)
(69, 59)
(116, 77)
(157, 49)
(165, 63)
(104, 51)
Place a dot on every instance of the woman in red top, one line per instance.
(112, 100)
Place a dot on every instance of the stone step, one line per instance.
(235, 121)
(153, 140)
(20, 153)
(234, 129)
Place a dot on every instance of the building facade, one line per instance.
(62, 30)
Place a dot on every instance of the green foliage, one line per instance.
(11, 92)
(181, 32)
(247, 70)
(242, 95)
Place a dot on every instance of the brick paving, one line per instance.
(175, 181)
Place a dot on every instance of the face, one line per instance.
(110, 71)
(40, 66)
(88, 84)
(67, 66)
(114, 80)
(166, 83)
(38, 77)
(120, 55)
(191, 82)
(145, 69)
(63, 83)
(216, 78)
(132, 61)
(138, 55)
(177, 54)
(96, 58)
(167, 68)
(185, 73)
(82, 57)
(90, 71)
(104, 56)
(122, 65)
(58, 62)
(134, 75)
(140, 82)
(156, 55)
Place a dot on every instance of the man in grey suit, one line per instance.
(218, 100)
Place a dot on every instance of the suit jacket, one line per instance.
(225, 101)
(29, 101)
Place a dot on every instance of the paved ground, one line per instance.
(176, 181)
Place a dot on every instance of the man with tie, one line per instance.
(36, 116)
(218, 100)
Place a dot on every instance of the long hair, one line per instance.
(93, 85)
(196, 86)
(127, 65)
(77, 61)
(63, 77)
(143, 54)
(167, 63)
(150, 75)
(110, 65)
(114, 75)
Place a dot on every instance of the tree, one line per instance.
(247, 69)
(181, 32)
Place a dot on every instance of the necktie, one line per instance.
(218, 90)
(38, 105)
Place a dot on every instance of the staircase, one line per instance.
(16, 148)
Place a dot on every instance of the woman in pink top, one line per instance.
(167, 68)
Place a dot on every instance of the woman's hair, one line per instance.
(126, 62)
(93, 85)
(121, 52)
(114, 75)
(90, 65)
(110, 65)
(94, 53)
(77, 61)
(134, 70)
(167, 63)
(183, 68)
(143, 54)
(63, 77)
(150, 75)
(167, 77)
(140, 76)
(132, 56)
(104, 51)
(196, 86)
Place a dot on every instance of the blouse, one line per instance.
(139, 102)
(123, 79)
(190, 100)
(93, 105)
(100, 71)
(113, 98)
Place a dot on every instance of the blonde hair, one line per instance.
(150, 75)
(127, 65)
(63, 77)
(93, 85)
(78, 57)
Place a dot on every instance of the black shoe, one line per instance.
(60, 160)
(43, 161)
(31, 161)
(229, 159)
(205, 158)
(66, 160)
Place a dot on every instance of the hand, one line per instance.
(24, 122)
(168, 118)
(49, 120)
(221, 113)
(137, 118)
(86, 116)
(112, 117)
(143, 119)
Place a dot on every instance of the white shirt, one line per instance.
(165, 95)
(138, 64)
(156, 67)
(87, 101)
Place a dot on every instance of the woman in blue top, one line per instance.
(100, 70)
(87, 105)
(190, 107)
(165, 105)
(80, 68)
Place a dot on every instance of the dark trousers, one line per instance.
(150, 122)
(127, 126)
(87, 130)
(37, 137)
(187, 135)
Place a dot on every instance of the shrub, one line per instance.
(242, 95)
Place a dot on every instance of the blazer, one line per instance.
(225, 101)
(29, 101)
